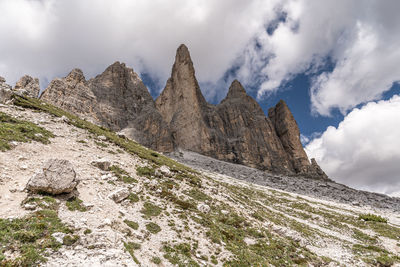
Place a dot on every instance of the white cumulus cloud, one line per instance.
(364, 150)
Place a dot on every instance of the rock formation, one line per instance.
(5, 91)
(28, 86)
(235, 130)
(117, 99)
(57, 176)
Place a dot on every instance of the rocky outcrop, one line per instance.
(117, 99)
(55, 177)
(28, 86)
(5, 91)
(235, 130)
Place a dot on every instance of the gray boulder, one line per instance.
(5, 91)
(57, 176)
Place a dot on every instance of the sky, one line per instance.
(335, 62)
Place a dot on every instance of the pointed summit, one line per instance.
(183, 54)
(236, 90)
(182, 92)
(76, 75)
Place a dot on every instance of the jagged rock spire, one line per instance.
(236, 90)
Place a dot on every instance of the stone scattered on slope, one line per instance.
(56, 176)
(119, 194)
(28, 86)
(102, 164)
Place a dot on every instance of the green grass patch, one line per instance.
(149, 209)
(29, 237)
(12, 129)
(153, 228)
(133, 198)
(132, 224)
(372, 218)
(122, 175)
(179, 255)
(156, 260)
(75, 204)
(145, 172)
(130, 248)
(44, 202)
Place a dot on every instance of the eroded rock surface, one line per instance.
(117, 99)
(28, 86)
(56, 176)
(5, 91)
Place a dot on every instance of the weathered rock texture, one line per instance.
(5, 91)
(117, 99)
(57, 176)
(236, 130)
(28, 86)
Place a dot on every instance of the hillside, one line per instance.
(173, 215)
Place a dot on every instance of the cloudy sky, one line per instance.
(335, 62)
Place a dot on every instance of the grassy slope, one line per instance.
(239, 214)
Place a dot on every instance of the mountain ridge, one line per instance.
(235, 130)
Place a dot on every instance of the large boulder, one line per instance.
(56, 176)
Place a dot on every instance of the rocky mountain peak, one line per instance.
(236, 90)
(183, 55)
(28, 86)
(76, 75)
(182, 92)
(2, 80)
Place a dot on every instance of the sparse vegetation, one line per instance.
(132, 224)
(12, 129)
(372, 218)
(130, 247)
(133, 198)
(153, 228)
(75, 204)
(145, 171)
(29, 237)
(150, 209)
(156, 260)
(122, 175)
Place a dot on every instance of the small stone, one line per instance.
(102, 138)
(119, 195)
(30, 206)
(23, 167)
(224, 212)
(102, 164)
(203, 208)
(165, 171)
(59, 237)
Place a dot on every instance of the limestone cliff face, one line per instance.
(235, 130)
(117, 99)
(28, 86)
(183, 106)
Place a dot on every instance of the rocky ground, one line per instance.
(172, 216)
(321, 189)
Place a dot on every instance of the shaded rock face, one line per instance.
(117, 99)
(235, 130)
(28, 86)
(56, 176)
